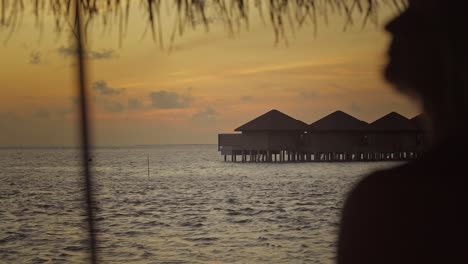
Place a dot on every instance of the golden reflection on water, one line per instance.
(193, 209)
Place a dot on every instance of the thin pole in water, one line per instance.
(148, 168)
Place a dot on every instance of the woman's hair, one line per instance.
(429, 58)
(451, 27)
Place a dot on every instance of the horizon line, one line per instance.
(106, 146)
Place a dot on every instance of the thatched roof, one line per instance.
(339, 121)
(282, 15)
(274, 120)
(392, 122)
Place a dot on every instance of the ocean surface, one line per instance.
(193, 207)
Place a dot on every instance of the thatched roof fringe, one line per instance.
(284, 15)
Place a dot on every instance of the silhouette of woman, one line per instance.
(416, 213)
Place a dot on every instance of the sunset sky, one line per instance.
(204, 84)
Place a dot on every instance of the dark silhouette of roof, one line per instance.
(274, 120)
(392, 122)
(339, 121)
(419, 121)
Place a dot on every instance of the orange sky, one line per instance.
(208, 83)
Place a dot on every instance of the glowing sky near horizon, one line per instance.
(207, 83)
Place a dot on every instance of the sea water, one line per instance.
(192, 208)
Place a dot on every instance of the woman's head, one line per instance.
(414, 53)
(428, 57)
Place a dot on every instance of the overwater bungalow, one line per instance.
(336, 137)
(277, 137)
(392, 137)
(420, 123)
(273, 136)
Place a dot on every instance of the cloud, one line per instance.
(102, 88)
(354, 107)
(35, 58)
(51, 113)
(307, 69)
(102, 54)
(247, 98)
(67, 51)
(308, 94)
(42, 114)
(110, 106)
(207, 115)
(169, 100)
(135, 104)
(63, 112)
(75, 100)
(7, 117)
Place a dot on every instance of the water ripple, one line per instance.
(193, 208)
